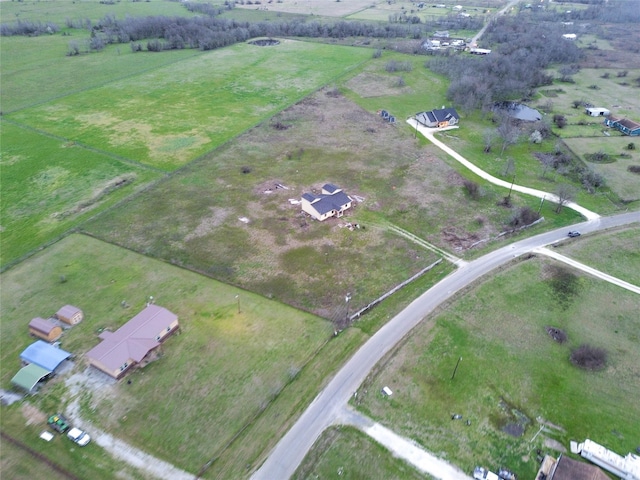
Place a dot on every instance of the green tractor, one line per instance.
(59, 423)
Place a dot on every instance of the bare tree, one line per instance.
(565, 193)
(489, 136)
(508, 132)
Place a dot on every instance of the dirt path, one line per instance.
(402, 447)
(429, 134)
(101, 385)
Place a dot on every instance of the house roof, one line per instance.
(568, 469)
(630, 124)
(44, 355)
(436, 116)
(330, 188)
(28, 377)
(42, 325)
(134, 339)
(68, 311)
(325, 203)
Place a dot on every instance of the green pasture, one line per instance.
(348, 453)
(36, 70)
(223, 367)
(50, 185)
(512, 372)
(59, 12)
(171, 115)
(615, 253)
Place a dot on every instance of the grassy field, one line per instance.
(512, 372)
(224, 366)
(614, 253)
(50, 185)
(59, 12)
(332, 455)
(185, 109)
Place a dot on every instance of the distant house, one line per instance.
(133, 341)
(597, 112)
(444, 117)
(569, 36)
(332, 202)
(45, 329)
(70, 314)
(479, 51)
(626, 126)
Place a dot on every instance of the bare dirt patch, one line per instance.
(33, 415)
(369, 85)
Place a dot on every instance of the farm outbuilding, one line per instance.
(70, 314)
(132, 342)
(44, 355)
(28, 377)
(597, 112)
(45, 329)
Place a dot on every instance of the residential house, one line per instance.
(132, 342)
(332, 202)
(70, 314)
(45, 329)
(444, 117)
(624, 125)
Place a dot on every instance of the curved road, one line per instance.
(325, 408)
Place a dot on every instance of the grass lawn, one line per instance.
(333, 454)
(513, 373)
(224, 367)
(168, 116)
(50, 186)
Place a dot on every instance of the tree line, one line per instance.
(516, 66)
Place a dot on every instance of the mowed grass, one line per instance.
(220, 371)
(512, 371)
(50, 186)
(333, 456)
(169, 116)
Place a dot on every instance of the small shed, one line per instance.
(70, 314)
(28, 377)
(45, 329)
(44, 355)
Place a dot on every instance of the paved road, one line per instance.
(325, 408)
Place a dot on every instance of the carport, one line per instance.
(28, 377)
(44, 355)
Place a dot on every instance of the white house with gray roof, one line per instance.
(332, 202)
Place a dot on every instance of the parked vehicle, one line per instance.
(79, 436)
(481, 473)
(574, 233)
(59, 423)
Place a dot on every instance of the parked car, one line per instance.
(574, 233)
(79, 436)
(59, 423)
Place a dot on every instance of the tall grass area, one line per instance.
(50, 186)
(171, 115)
(512, 372)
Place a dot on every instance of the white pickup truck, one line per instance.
(78, 436)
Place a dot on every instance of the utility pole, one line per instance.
(456, 369)
(540, 207)
(346, 299)
(512, 182)
(238, 298)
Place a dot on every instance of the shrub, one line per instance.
(472, 188)
(524, 216)
(631, 146)
(634, 169)
(589, 357)
(599, 157)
